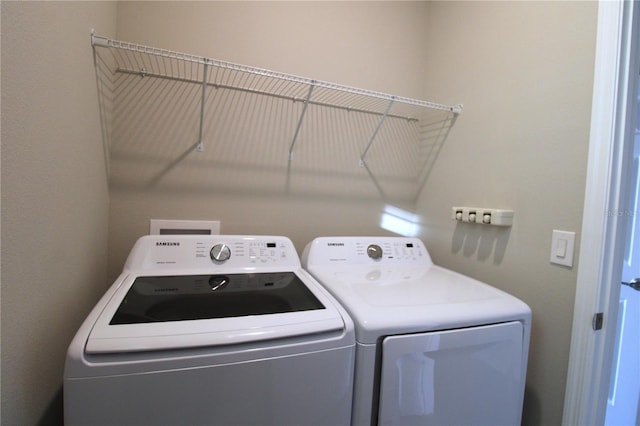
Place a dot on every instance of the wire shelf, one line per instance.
(145, 61)
(150, 98)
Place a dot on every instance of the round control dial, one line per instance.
(220, 253)
(374, 251)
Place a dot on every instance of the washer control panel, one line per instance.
(218, 251)
(365, 250)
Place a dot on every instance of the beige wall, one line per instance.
(247, 182)
(524, 72)
(54, 197)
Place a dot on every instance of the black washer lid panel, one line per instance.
(193, 297)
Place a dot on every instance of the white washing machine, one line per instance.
(433, 347)
(212, 330)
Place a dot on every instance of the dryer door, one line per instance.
(471, 376)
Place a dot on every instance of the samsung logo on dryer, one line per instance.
(335, 244)
(167, 243)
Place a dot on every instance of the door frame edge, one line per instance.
(602, 248)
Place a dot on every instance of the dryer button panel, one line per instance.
(389, 250)
(365, 251)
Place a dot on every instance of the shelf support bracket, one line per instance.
(203, 102)
(97, 40)
(375, 132)
(304, 110)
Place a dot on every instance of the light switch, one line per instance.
(562, 245)
(561, 248)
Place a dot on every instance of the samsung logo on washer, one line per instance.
(335, 244)
(167, 243)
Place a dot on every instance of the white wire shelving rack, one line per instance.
(145, 61)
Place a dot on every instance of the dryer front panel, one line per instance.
(470, 376)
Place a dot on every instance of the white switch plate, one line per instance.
(562, 246)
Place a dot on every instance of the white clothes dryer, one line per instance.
(215, 330)
(433, 347)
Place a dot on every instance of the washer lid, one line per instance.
(178, 311)
(391, 299)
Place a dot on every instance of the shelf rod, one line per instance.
(262, 92)
(200, 146)
(304, 110)
(375, 132)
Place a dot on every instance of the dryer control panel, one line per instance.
(365, 250)
(212, 252)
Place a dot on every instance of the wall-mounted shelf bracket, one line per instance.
(100, 41)
(203, 103)
(375, 132)
(304, 111)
